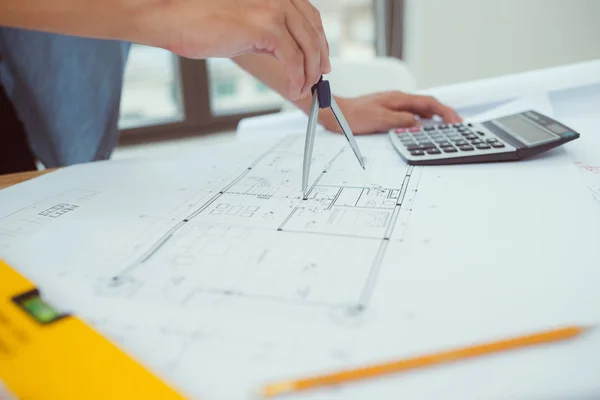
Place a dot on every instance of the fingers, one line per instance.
(313, 16)
(289, 54)
(307, 40)
(424, 106)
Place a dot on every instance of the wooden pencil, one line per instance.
(352, 375)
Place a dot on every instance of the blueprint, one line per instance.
(215, 273)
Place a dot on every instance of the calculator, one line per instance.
(509, 138)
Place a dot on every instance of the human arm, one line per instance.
(373, 113)
(287, 30)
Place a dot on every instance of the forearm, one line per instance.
(129, 20)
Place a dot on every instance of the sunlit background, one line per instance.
(440, 42)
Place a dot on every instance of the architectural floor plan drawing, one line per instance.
(248, 232)
(213, 269)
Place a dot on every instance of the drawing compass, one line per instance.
(322, 99)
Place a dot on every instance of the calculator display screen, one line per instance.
(526, 130)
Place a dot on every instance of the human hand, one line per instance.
(381, 112)
(289, 30)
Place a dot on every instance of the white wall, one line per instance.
(448, 41)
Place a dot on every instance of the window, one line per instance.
(151, 92)
(165, 94)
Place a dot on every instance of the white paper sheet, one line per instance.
(536, 101)
(271, 126)
(216, 274)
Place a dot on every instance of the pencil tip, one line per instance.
(587, 328)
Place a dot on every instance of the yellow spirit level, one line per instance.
(45, 354)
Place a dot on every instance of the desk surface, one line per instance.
(13, 179)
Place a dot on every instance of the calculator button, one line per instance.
(497, 145)
(429, 128)
(481, 133)
(443, 126)
(492, 140)
(415, 129)
(434, 151)
(406, 138)
(443, 143)
(419, 135)
(457, 125)
(466, 148)
(426, 146)
(417, 153)
(476, 141)
(412, 147)
(470, 137)
(483, 146)
(461, 143)
(400, 130)
(449, 149)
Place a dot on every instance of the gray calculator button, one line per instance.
(419, 135)
(444, 143)
(429, 128)
(457, 125)
(481, 133)
(466, 148)
(476, 141)
(493, 140)
(417, 153)
(412, 147)
(426, 146)
(497, 145)
(449, 149)
(483, 146)
(461, 143)
(434, 151)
